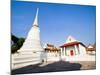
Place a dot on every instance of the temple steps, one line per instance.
(25, 60)
(25, 63)
(19, 61)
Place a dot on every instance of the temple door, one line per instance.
(71, 52)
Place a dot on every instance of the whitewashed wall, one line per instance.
(52, 56)
(82, 49)
(68, 50)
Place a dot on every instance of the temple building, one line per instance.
(52, 53)
(91, 49)
(31, 52)
(72, 47)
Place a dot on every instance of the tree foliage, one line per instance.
(14, 38)
(18, 42)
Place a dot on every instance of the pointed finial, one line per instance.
(36, 18)
(70, 39)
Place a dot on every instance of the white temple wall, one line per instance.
(52, 56)
(93, 52)
(82, 49)
(68, 49)
(62, 52)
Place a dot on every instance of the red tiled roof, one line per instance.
(72, 43)
(49, 45)
(52, 49)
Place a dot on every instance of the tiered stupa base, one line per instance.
(21, 60)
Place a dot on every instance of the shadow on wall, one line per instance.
(54, 67)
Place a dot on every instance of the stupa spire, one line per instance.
(36, 18)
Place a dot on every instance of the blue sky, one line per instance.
(56, 21)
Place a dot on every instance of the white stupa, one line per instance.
(31, 52)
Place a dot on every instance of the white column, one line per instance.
(76, 50)
(61, 52)
(64, 51)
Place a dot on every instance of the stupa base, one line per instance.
(22, 60)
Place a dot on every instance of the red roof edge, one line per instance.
(71, 44)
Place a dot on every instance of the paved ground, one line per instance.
(88, 65)
(56, 66)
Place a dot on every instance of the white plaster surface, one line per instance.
(79, 58)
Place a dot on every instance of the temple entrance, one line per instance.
(71, 52)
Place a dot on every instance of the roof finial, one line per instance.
(36, 18)
(70, 39)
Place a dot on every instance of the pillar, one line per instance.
(76, 50)
(61, 51)
(64, 51)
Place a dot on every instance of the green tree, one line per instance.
(18, 42)
(14, 48)
(14, 38)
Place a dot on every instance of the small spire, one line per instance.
(70, 39)
(36, 18)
